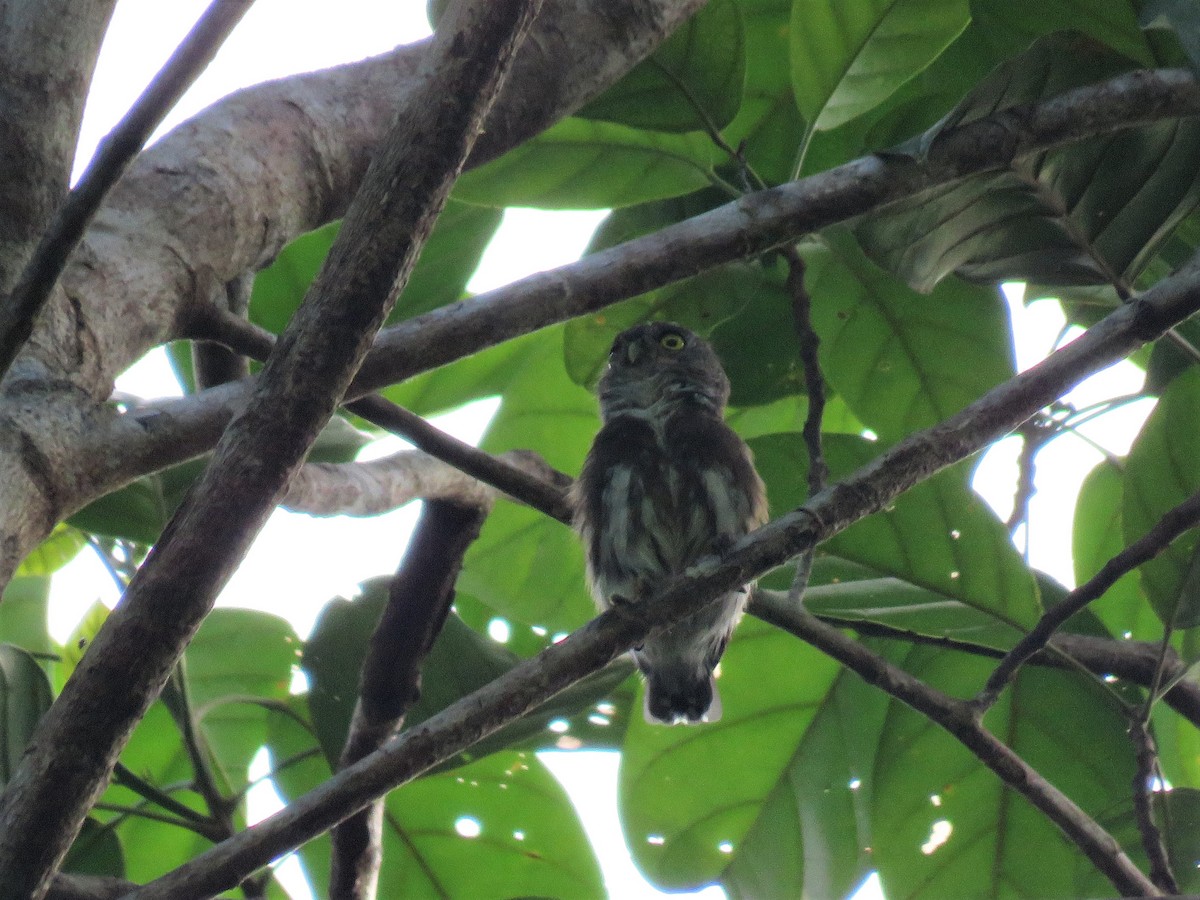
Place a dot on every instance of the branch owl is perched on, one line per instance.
(666, 483)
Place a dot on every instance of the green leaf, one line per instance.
(1162, 470)
(529, 843)
(24, 696)
(448, 259)
(1178, 814)
(239, 660)
(1179, 17)
(906, 607)
(23, 614)
(1099, 536)
(96, 851)
(848, 58)
(580, 164)
(1062, 724)
(815, 828)
(524, 565)
(460, 662)
(1014, 24)
(62, 546)
(768, 127)
(897, 357)
(690, 797)
(695, 76)
(938, 535)
(1083, 214)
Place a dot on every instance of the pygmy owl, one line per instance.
(666, 483)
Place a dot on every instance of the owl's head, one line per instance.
(656, 365)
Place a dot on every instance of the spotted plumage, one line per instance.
(665, 484)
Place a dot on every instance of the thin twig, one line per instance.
(814, 383)
(1145, 778)
(547, 494)
(113, 157)
(1173, 523)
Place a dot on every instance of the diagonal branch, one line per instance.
(866, 491)
(77, 742)
(1174, 522)
(113, 158)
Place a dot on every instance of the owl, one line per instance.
(665, 484)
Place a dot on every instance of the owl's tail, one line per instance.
(674, 696)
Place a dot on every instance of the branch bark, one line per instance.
(47, 55)
(77, 742)
(65, 230)
(171, 432)
(866, 491)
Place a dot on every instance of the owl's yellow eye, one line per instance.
(671, 341)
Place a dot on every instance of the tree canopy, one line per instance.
(833, 193)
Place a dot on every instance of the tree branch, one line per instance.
(115, 154)
(419, 599)
(361, 489)
(749, 226)
(76, 744)
(867, 491)
(1175, 522)
(47, 56)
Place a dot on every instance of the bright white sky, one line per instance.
(298, 562)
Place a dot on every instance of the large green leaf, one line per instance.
(768, 127)
(237, 667)
(461, 661)
(1178, 814)
(448, 259)
(992, 842)
(525, 565)
(938, 535)
(690, 797)
(906, 608)
(581, 164)
(1099, 535)
(1163, 469)
(239, 660)
(1014, 24)
(815, 828)
(849, 57)
(24, 696)
(1087, 213)
(896, 356)
(529, 841)
(59, 548)
(23, 612)
(693, 79)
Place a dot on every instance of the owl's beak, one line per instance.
(632, 351)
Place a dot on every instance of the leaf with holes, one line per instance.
(690, 797)
(944, 824)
